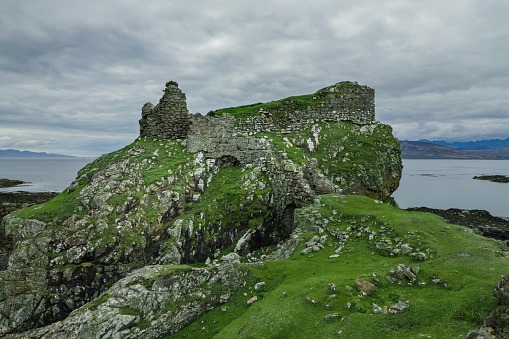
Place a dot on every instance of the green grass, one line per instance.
(166, 272)
(277, 107)
(93, 305)
(148, 158)
(288, 144)
(233, 198)
(64, 205)
(57, 209)
(345, 154)
(468, 264)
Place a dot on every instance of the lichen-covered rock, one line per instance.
(152, 302)
(365, 286)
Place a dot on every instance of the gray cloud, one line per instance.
(73, 76)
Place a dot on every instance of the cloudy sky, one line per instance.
(75, 74)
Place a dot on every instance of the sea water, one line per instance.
(42, 174)
(444, 183)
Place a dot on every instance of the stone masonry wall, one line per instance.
(344, 101)
(169, 118)
(217, 138)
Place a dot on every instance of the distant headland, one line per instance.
(430, 150)
(12, 153)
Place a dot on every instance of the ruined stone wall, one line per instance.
(232, 142)
(217, 138)
(169, 118)
(345, 101)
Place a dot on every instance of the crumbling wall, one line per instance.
(169, 119)
(344, 101)
(232, 142)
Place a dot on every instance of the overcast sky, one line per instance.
(75, 74)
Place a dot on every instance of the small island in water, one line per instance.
(493, 178)
(10, 183)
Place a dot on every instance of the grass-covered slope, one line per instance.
(450, 297)
(241, 113)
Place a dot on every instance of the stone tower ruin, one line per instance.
(169, 119)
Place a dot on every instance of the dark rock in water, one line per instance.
(493, 178)
(482, 222)
(10, 183)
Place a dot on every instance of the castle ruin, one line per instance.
(169, 119)
(344, 101)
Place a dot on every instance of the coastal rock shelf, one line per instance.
(10, 183)
(482, 222)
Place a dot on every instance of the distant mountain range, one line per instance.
(429, 150)
(473, 145)
(12, 153)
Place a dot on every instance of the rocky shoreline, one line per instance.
(481, 221)
(10, 183)
(10, 202)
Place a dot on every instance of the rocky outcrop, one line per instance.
(10, 202)
(496, 324)
(10, 183)
(203, 190)
(152, 302)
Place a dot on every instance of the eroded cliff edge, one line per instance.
(192, 188)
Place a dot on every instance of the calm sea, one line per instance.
(430, 183)
(44, 174)
(448, 184)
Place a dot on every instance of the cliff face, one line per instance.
(211, 186)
